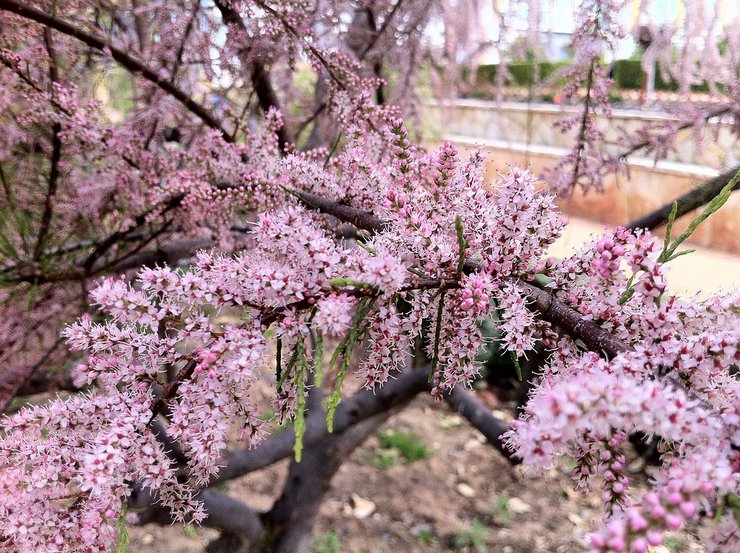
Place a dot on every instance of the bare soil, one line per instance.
(464, 497)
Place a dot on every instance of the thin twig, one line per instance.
(127, 61)
(693, 199)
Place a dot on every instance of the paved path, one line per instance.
(704, 272)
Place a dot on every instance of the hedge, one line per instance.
(521, 71)
(627, 74)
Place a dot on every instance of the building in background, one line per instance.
(546, 26)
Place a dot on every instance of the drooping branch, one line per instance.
(551, 309)
(56, 154)
(647, 143)
(379, 33)
(362, 405)
(261, 81)
(693, 199)
(128, 62)
(582, 140)
(480, 417)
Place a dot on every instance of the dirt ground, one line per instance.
(463, 497)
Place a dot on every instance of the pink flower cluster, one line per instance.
(452, 250)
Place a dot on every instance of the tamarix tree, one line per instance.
(252, 158)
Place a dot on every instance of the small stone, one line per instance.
(464, 490)
(516, 505)
(147, 539)
(419, 529)
(362, 508)
(451, 421)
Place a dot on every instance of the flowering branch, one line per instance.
(689, 201)
(127, 61)
(552, 309)
(56, 154)
(260, 77)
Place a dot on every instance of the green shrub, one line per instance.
(475, 537)
(627, 74)
(410, 447)
(522, 72)
(328, 542)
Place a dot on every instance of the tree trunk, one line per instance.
(289, 523)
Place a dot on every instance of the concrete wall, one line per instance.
(648, 187)
(515, 122)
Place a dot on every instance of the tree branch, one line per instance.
(56, 154)
(377, 34)
(647, 143)
(260, 77)
(693, 199)
(293, 515)
(127, 61)
(224, 513)
(360, 406)
(596, 338)
(480, 417)
(13, 379)
(551, 309)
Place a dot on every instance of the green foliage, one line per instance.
(500, 510)
(628, 75)
(344, 351)
(474, 537)
(673, 545)
(669, 248)
(328, 542)
(300, 409)
(409, 446)
(298, 361)
(517, 366)
(522, 72)
(462, 244)
(383, 459)
(122, 532)
(425, 536)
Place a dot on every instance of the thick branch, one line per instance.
(361, 219)
(293, 515)
(168, 254)
(596, 338)
(693, 199)
(224, 513)
(480, 417)
(260, 77)
(360, 406)
(56, 155)
(127, 61)
(552, 309)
